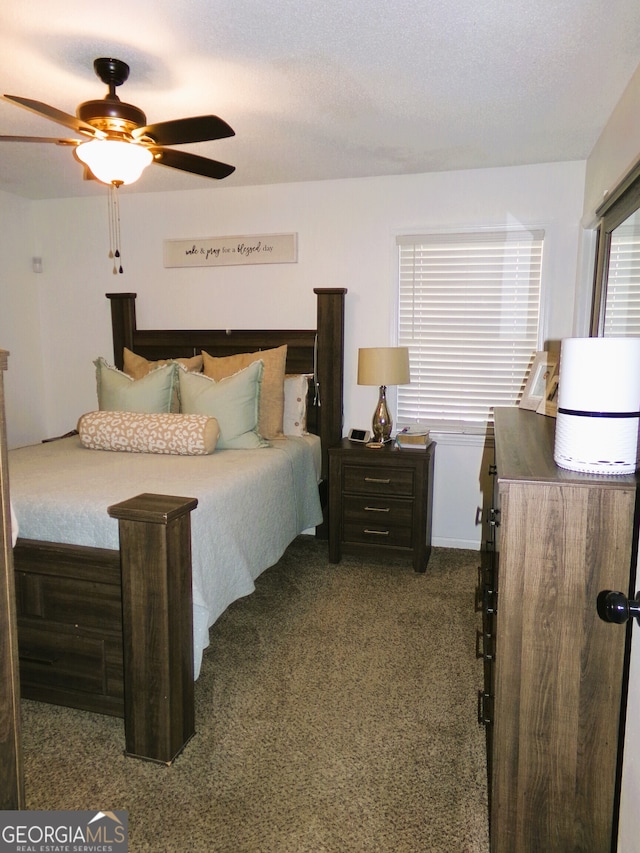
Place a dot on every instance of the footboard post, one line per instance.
(157, 615)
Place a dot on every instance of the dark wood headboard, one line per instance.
(318, 351)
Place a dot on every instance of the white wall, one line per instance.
(346, 232)
(20, 331)
(615, 152)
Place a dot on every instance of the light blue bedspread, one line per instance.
(251, 505)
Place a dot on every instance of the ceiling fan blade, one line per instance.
(183, 130)
(55, 140)
(58, 116)
(191, 163)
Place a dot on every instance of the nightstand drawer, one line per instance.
(380, 534)
(367, 511)
(379, 480)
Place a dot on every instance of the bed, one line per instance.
(121, 568)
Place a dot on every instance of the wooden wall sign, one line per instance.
(232, 251)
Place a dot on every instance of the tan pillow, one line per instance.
(134, 432)
(272, 393)
(136, 366)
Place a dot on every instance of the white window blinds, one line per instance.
(622, 304)
(469, 307)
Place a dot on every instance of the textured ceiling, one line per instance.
(317, 91)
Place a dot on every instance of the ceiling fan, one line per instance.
(116, 142)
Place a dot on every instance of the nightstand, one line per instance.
(380, 499)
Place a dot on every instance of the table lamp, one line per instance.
(383, 366)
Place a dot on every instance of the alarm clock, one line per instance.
(362, 436)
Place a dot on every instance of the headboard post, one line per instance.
(123, 321)
(330, 372)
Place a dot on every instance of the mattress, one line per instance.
(251, 505)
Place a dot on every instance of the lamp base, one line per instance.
(381, 423)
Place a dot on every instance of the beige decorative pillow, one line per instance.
(166, 433)
(272, 393)
(136, 366)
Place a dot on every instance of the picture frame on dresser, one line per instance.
(549, 404)
(543, 369)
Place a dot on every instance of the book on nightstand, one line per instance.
(412, 439)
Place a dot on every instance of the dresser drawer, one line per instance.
(379, 480)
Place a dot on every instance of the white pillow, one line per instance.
(296, 388)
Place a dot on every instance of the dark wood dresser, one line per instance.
(557, 686)
(381, 498)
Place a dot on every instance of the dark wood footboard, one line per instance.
(69, 606)
(111, 631)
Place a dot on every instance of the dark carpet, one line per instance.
(335, 713)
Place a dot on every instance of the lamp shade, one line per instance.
(383, 366)
(114, 161)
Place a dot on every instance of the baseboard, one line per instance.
(467, 544)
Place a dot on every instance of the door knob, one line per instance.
(616, 607)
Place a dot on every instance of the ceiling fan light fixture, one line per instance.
(114, 161)
(116, 142)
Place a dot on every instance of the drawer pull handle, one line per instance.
(377, 509)
(490, 601)
(484, 716)
(378, 480)
(482, 641)
(377, 532)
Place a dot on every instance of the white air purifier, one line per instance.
(598, 419)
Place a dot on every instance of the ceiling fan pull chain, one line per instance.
(110, 214)
(116, 196)
(114, 228)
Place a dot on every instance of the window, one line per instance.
(622, 298)
(616, 297)
(469, 307)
